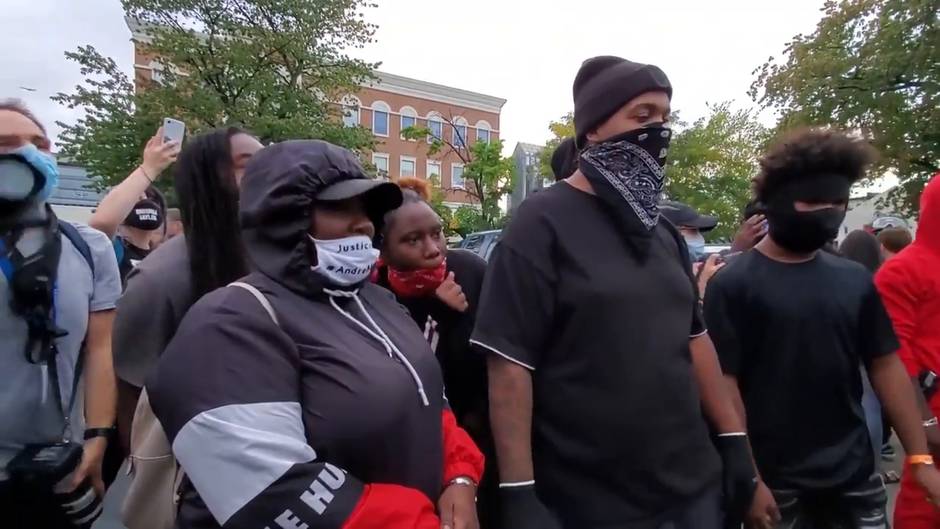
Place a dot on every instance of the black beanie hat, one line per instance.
(605, 84)
(565, 159)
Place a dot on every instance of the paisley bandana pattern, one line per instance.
(633, 172)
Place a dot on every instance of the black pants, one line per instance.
(703, 512)
(862, 506)
(20, 508)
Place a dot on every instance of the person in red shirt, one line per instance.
(909, 284)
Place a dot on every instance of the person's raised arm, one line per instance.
(226, 393)
(119, 202)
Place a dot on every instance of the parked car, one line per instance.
(481, 242)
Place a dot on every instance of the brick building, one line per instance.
(390, 103)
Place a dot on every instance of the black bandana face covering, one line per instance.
(808, 231)
(627, 173)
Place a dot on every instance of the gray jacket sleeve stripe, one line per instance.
(253, 445)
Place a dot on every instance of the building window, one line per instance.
(483, 131)
(434, 171)
(380, 161)
(436, 127)
(409, 118)
(351, 112)
(460, 133)
(456, 176)
(380, 118)
(407, 168)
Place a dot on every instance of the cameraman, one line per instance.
(59, 286)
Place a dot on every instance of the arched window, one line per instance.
(409, 118)
(459, 133)
(380, 123)
(483, 131)
(351, 111)
(435, 126)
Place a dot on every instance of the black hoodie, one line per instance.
(316, 420)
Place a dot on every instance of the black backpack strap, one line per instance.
(79, 242)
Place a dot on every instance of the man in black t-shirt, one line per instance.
(792, 324)
(598, 360)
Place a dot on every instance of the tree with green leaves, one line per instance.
(711, 163)
(487, 175)
(870, 66)
(275, 67)
(560, 129)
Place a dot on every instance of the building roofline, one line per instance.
(389, 82)
(408, 86)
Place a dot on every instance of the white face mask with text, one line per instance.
(347, 261)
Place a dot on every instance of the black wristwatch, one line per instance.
(91, 433)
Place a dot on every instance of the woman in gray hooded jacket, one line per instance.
(330, 414)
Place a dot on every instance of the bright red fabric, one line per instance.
(909, 284)
(392, 507)
(461, 455)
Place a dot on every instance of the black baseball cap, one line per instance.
(681, 214)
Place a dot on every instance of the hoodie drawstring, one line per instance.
(377, 333)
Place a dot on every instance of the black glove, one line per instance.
(522, 509)
(739, 480)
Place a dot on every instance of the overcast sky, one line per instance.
(520, 50)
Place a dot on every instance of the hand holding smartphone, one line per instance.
(173, 130)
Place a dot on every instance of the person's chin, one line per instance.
(434, 263)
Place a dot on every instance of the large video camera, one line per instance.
(46, 469)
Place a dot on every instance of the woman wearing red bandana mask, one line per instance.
(441, 289)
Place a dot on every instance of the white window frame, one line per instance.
(440, 170)
(436, 118)
(348, 102)
(484, 126)
(463, 181)
(382, 106)
(406, 112)
(381, 156)
(459, 142)
(414, 165)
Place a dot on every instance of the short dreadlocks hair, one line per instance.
(807, 154)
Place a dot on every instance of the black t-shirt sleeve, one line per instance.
(723, 327)
(516, 308)
(877, 333)
(698, 327)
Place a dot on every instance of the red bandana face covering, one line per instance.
(417, 283)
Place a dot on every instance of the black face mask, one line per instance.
(146, 216)
(804, 231)
(627, 174)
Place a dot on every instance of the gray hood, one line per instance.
(278, 193)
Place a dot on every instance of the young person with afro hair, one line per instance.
(791, 325)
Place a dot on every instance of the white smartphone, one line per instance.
(173, 130)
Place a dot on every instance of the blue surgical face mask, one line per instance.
(18, 175)
(696, 244)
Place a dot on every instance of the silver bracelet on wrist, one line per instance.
(931, 422)
(463, 481)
